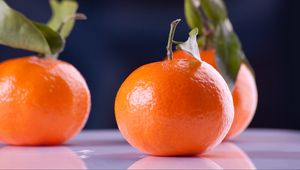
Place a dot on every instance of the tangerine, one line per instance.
(174, 107)
(43, 101)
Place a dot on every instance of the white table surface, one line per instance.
(106, 149)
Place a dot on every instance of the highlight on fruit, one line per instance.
(43, 100)
(178, 106)
(221, 47)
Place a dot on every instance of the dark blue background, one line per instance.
(121, 35)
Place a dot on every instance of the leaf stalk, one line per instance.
(171, 38)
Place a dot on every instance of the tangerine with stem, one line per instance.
(174, 107)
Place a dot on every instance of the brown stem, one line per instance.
(77, 16)
(207, 27)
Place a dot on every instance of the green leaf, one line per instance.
(19, 32)
(213, 17)
(215, 10)
(63, 16)
(57, 44)
(191, 45)
(192, 15)
(228, 52)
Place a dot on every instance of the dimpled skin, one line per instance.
(42, 101)
(244, 93)
(171, 108)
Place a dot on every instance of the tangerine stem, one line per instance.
(170, 39)
(77, 16)
(207, 27)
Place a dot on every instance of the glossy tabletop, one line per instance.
(106, 149)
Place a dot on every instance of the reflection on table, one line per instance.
(225, 156)
(39, 158)
(107, 149)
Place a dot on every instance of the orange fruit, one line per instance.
(174, 107)
(244, 93)
(42, 101)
